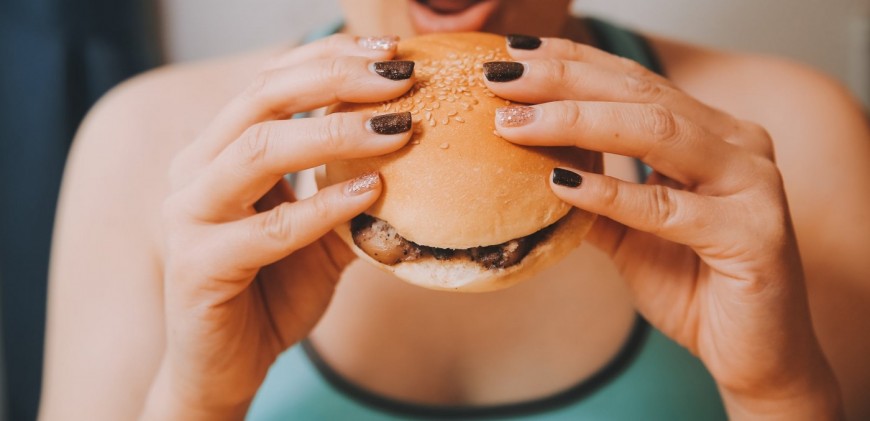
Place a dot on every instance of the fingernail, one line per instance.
(567, 178)
(515, 115)
(390, 123)
(363, 184)
(395, 69)
(381, 43)
(523, 42)
(503, 71)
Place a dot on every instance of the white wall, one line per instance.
(194, 29)
(832, 35)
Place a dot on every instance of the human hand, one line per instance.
(248, 269)
(706, 245)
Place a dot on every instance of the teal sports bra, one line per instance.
(651, 378)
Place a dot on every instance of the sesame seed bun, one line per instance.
(457, 184)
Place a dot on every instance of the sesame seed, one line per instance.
(444, 145)
(432, 123)
(428, 115)
(459, 119)
(445, 120)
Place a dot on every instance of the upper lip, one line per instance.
(447, 7)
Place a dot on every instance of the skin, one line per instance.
(200, 275)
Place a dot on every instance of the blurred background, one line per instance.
(59, 56)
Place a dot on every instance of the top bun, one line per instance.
(457, 184)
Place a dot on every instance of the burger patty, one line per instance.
(379, 239)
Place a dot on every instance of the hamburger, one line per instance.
(462, 209)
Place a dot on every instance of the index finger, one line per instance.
(668, 142)
(279, 93)
(564, 49)
(376, 48)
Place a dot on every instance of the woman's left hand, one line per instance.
(706, 245)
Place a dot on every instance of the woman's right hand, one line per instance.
(248, 271)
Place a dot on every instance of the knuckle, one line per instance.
(337, 69)
(258, 86)
(663, 210)
(334, 133)
(571, 115)
(278, 225)
(660, 122)
(559, 71)
(344, 76)
(633, 68)
(767, 170)
(255, 144)
(259, 94)
(611, 194)
(320, 207)
(643, 88)
(577, 51)
(758, 139)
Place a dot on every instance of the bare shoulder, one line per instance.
(175, 101)
(135, 129)
(820, 132)
(105, 256)
(822, 143)
(753, 86)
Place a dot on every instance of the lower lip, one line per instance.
(425, 20)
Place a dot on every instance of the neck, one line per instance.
(441, 348)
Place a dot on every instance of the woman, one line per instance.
(172, 300)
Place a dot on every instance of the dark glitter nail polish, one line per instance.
(563, 177)
(523, 42)
(503, 71)
(391, 123)
(395, 70)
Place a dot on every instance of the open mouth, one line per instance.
(379, 239)
(448, 7)
(430, 16)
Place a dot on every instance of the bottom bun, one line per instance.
(470, 276)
